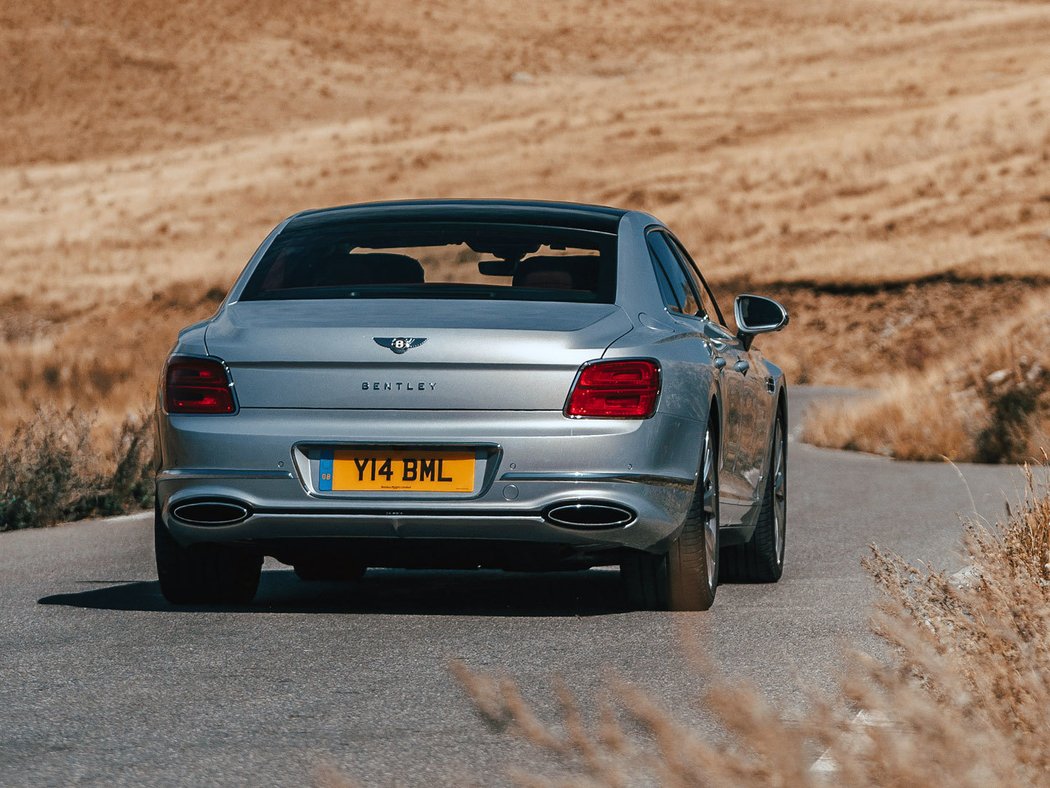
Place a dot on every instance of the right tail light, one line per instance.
(615, 390)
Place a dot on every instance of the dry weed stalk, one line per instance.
(961, 696)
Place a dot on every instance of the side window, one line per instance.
(666, 291)
(707, 298)
(666, 262)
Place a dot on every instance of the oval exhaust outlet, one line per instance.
(590, 515)
(210, 512)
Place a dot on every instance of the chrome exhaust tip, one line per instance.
(589, 515)
(210, 512)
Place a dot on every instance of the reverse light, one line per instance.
(616, 389)
(197, 385)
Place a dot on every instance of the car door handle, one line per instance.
(742, 366)
(720, 362)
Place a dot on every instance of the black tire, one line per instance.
(761, 560)
(204, 574)
(326, 570)
(686, 576)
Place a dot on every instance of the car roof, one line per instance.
(560, 214)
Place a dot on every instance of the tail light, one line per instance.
(197, 385)
(616, 389)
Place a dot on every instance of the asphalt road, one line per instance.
(101, 682)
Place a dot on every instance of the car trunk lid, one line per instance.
(410, 354)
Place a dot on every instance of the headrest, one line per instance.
(575, 272)
(388, 269)
(337, 268)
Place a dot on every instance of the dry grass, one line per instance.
(992, 405)
(52, 471)
(961, 696)
(805, 146)
(862, 337)
(105, 359)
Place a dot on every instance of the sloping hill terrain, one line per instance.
(884, 168)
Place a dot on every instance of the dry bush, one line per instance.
(902, 421)
(960, 697)
(52, 470)
(990, 405)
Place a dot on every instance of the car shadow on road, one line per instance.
(391, 592)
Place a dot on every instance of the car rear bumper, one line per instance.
(535, 461)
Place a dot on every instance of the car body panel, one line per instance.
(547, 458)
(496, 356)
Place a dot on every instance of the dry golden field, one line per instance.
(883, 167)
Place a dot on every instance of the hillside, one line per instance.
(884, 167)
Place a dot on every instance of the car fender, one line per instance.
(690, 386)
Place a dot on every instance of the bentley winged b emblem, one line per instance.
(399, 344)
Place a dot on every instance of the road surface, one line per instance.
(101, 682)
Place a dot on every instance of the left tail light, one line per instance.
(197, 385)
(616, 389)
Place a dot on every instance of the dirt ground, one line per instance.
(883, 167)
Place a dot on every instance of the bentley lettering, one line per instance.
(398, 386)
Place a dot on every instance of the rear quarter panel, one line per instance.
(689, 382)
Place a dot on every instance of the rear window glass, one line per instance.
(437, 260)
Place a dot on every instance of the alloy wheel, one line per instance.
(710, 490)
(779, 493)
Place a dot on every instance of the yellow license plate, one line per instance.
(394, 470)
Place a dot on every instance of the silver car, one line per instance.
(509, 384)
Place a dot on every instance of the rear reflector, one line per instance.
(197, 385)
(616, 389)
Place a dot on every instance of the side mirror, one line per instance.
(756, 314)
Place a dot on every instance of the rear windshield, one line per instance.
(456, 260)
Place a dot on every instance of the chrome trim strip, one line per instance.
(179, 474)
(624, 478)
(399, 514)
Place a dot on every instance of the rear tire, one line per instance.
(761, 560)
(686, 576)
(204, 574)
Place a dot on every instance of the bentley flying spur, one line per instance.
(461, 384)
